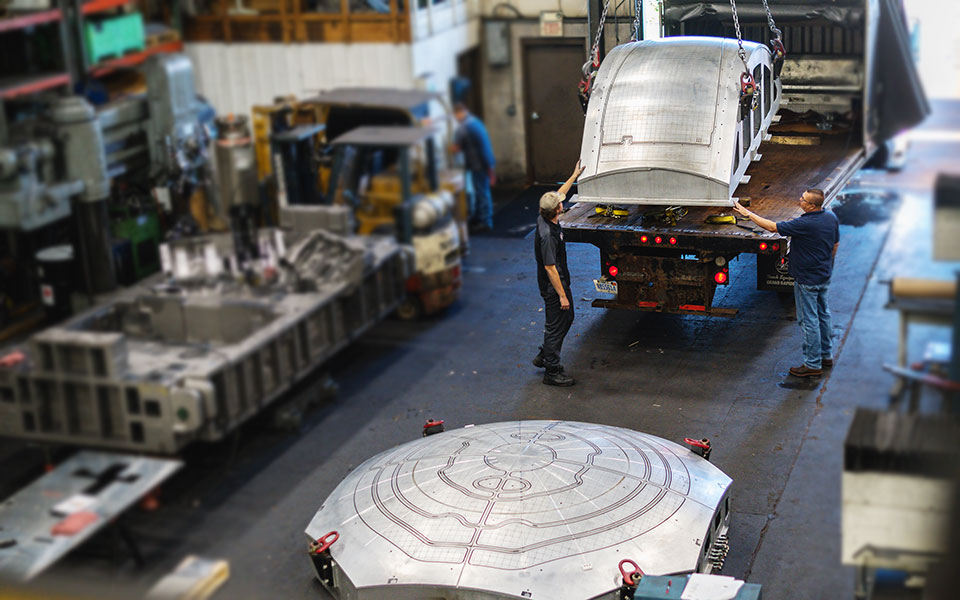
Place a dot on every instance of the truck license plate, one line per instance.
(607, 287)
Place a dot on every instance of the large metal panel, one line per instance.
(99, 485)
(541, 509)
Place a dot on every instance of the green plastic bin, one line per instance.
(113, 37)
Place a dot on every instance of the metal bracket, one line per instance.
(319, 551)
(701, 447)
(630, 579)
(432, 427)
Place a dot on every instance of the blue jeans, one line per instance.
(481, 207)
(813, 316)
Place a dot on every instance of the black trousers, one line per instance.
(556, 325)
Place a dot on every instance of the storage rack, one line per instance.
(69, 16)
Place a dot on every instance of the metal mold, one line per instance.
(663, 124)
(522, 509)
(191, 354)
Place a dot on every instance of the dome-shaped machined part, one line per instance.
(522, 509)
(663, 125)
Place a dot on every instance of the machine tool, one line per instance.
(62, 162)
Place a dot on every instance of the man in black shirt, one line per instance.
(553, 277)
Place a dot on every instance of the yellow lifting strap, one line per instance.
(615, 212)
(722, 220)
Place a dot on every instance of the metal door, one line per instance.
(553, 117)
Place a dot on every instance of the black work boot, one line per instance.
(538, 359)
(558, 378)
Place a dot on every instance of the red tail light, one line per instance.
(658, 240)
(775, 247)
(673, 241)
(644, 239)
(720, 277)
(763, 246)
(613, 270)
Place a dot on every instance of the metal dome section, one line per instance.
(663, 123)
(523, 509)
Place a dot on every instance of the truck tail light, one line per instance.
(721, 278)
(673, 241)
(763, 246)
(644, 239)
(658, 240)
(775, 247)
(613, 270)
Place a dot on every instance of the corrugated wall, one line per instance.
(234, 77)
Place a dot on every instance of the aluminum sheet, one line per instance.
(28, 516)
(512, 510)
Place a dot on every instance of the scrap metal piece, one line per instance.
(511, 510)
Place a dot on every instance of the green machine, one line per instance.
(136, 239)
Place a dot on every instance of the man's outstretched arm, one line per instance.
(569, 182)
(765, 223)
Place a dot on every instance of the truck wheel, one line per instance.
(411, 309)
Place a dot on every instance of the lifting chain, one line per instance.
(777, 34)
(637, 25)
(593, 61)
(749, 88)
(776, 42)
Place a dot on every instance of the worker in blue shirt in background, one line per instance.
(471, 138)
(814, 239)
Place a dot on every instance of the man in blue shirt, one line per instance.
(814, 238)
(471, 138)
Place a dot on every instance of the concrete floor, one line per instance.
(780, 439)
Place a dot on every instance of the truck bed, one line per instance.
(776, 183)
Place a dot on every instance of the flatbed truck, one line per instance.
(846, 87)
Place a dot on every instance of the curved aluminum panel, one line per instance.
(511, 510)
(663, 125)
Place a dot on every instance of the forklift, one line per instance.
(315, 151)
(389, 175)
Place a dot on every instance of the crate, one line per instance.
(113, 37)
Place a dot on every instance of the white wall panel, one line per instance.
(234, 77)
(435, 58)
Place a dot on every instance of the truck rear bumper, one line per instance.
(683, 309)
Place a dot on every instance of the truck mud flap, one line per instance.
(773, 274)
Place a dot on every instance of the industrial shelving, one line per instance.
(73, 58)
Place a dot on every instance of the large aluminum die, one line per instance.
(522, 509)
(663, 126)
